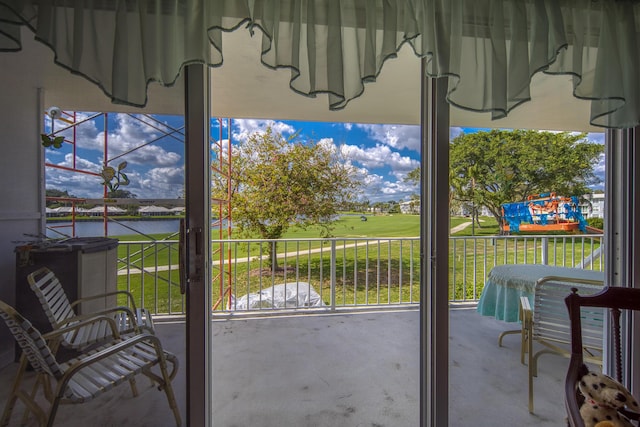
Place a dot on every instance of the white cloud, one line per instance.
(599, 168)
(398, 189)
(243, 128)
(128, 135)
(328, 143)
(596, 137)
(80, 163)
(348, 126)
(380, 190)
(85, 129)
(455, 131)
(163, 182)
(380, 156)
(396, 136)
(169, 176)
(167, 182)
(78, 184)
(151, 155)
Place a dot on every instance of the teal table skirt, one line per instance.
(505, 285)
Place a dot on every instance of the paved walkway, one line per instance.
(460, 227)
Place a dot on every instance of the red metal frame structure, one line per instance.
(69, 131)
(71, 123)
(220, 167)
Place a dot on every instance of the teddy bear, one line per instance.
(604, 397)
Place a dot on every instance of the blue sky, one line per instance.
(384, 154)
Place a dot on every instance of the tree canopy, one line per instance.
(54, 192)
(278, 183)
(413, 177)
(500, 166)
(121, 194)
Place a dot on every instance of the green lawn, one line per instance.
(396, 225)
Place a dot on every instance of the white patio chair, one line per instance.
(546, 322)
(61, 312)
(85, 377)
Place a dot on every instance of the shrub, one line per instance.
(596, 223)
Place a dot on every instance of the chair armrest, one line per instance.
(82, 322)
(130, 300)
(114, 349)
(104, 314)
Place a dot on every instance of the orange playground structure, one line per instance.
(542, 213)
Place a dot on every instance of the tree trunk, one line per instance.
(476, 217)
(273, 255)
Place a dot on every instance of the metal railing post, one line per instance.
(545, 250)
(333, 275)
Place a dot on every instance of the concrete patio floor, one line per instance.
(347, 369)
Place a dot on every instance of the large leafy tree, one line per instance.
(278, 183)
(500, 166)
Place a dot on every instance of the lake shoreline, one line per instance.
(118, 218)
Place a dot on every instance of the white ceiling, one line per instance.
(244, 88)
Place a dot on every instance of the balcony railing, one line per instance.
(340, 272)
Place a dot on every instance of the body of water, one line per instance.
(96, 228)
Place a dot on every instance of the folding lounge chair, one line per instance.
(60, 312)
(86, 376)
(547, 323)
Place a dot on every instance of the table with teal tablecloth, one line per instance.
(505, 285)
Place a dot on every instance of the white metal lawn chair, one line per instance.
(61, 312)
(85, 377)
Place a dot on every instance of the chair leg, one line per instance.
(168, 388)
(15, 394)
(8, 407)
(32, 398)
(54, 409)
(530, 367)
(505, 333)
(171, 398)
(524, 341)
(537, 355)
(134, 387)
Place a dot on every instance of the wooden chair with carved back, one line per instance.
(619, 302)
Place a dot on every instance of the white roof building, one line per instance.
(154, 210)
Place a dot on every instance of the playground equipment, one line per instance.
(542, 213)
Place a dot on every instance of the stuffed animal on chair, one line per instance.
(603, 398)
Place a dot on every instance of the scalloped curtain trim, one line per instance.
(490, 49)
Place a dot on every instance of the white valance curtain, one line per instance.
(490, 49)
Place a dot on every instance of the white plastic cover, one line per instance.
(285, 295)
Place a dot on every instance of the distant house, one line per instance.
(66, 211)
(99, 211)
(410, 207)
(594, 208)
(465, 209)
(178, 210)
(154, 211)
